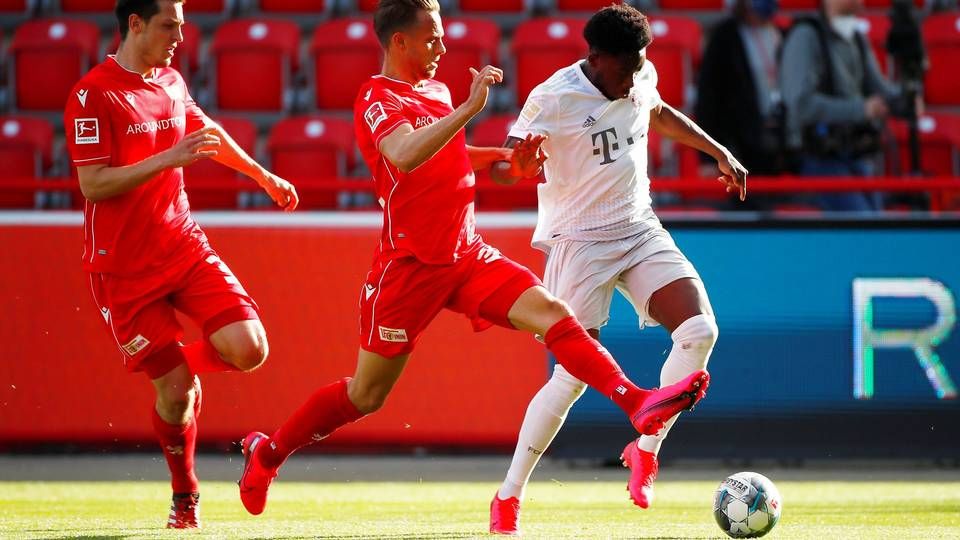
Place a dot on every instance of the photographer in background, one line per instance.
(738, 100)
(836, 99)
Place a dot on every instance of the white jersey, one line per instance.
(596, 186)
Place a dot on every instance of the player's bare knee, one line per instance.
(175, 401)
(248, 354)
(558, 309)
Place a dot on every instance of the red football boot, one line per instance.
(505, 515)
(255, 479)
(664, 403)
(184, 511)
(643, 471)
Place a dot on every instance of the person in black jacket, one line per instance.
(738, 99)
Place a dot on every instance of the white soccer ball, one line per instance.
(747, 505)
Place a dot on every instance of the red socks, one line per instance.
(179, 444)
(203, 358)
(588, 361)
(326, 410)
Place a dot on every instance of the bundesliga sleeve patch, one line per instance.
(531, 110)
(87, 130)
(374, 115)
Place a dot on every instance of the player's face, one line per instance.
(162, 34)
(615, 73)
(423, 45)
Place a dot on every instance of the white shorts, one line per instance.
(585, 273)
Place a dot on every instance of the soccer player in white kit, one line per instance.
(600, 233)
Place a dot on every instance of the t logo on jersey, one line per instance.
(87, 130)
(608, 142)
(374, 115)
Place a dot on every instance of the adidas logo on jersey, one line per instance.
(589, 122)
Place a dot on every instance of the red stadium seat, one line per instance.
(49, 57)
(367, 6)
(876, 28)
(293, 6)
(187, 57)
(212, 185)
(470, 43)
(345, 54)
(493, 6)
(939, 144)
(11, 7)
(583, 5)
(699, 5)
(676, 52)
(26, 151)
(106, 6)
(307, 149)
(941, 33)
(799, 5)
(541, 47)
(255, 61)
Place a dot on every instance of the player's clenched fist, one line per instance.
(282, 192)
(480, 87)
(198, 145)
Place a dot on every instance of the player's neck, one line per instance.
(594, 79)
(130, 61)
(391, 71)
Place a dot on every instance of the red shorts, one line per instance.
(139, 311)
(402, 295)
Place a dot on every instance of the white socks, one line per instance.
(545, 414)
(693, 342)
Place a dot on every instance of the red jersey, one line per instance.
(117, 117)
(427, 212)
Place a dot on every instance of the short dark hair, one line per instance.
(395, 15)
(617, 29)
(143, 8)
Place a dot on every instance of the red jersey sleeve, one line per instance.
(86, 122)
(383, 114)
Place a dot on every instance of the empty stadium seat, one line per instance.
(367, 6)
(107, 6)
(799, 5)
(26, 151)
(15, 7)
(699, 5)
(187, 57)
(541, 47)
(49, 56)
(492, 6)
(939, 144)
(310, 149)
(212, 185)
(676, 51)
(293, 6)
(941, 33)
(470, 43)
(255, 61)
(583, 5)
(345, 54)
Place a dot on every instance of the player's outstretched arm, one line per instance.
(481, 157)
(407, 148)
(674, 124)
(230, 154)
(100, 182)
(526, 161)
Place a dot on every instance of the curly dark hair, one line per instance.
(617, 29)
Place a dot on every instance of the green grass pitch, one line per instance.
(812, 510)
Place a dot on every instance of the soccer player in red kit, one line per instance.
(430, 257)
(131, 126)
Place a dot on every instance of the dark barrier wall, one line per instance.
(836, 340)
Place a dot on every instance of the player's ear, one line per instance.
(135, 23)
(398, 40)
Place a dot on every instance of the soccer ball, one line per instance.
(747, 505)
